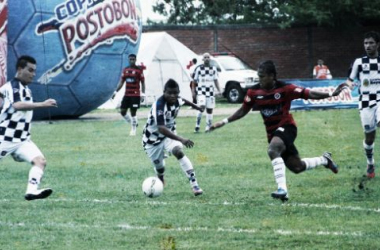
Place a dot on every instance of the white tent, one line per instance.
(164, 57)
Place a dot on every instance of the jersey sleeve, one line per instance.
(160, 113)
(249, 101)
(354, 70)
(296, 92)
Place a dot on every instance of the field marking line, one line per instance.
(225, 203)
(187, 229)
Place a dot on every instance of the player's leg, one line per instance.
(135, 106)
(210, 105)
(368, 119)
(156, 155)
(275, 150)
(124, 109)
(29, 152)
(175, 148)
(201, 101)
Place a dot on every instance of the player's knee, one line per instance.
(177, 152)
(123, 112)
(39, 161)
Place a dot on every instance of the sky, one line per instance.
(146, 6)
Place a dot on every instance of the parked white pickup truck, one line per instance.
(235, 77)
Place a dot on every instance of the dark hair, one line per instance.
(268, 67)
(22, 61)
(372, 34)
(194, 60)
(132, 55)
(171, 84)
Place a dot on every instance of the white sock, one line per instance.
(127, 118)
(369, 152)
(188, 169)
(314, 162)
(134, 123)
(35, 175)
(209, 119)
(199, 118)
(279, 172)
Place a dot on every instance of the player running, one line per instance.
(273, 99)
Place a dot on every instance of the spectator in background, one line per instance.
(321, 71)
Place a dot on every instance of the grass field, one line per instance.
(96, 171)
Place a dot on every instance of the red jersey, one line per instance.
(132, 76)
(321, 72)
(274, 104)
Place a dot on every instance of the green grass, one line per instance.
(96, 171)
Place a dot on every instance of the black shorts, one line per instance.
(288, 135)
(130, 102)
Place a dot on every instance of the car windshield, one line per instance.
(232, 63)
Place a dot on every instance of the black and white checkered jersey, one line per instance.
(161, 113)
(15, 125)
(205, 77)
(367, 71)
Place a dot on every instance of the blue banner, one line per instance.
(347, 98)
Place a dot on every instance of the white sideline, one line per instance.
(186, 229)
(225, 203)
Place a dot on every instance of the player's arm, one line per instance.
(49, 103)
(314, 94)
(165, 131)
(193, 105)
(216, 82)
(240, 113)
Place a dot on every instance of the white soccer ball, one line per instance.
(152, 187)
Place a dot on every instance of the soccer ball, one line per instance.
(152, 187)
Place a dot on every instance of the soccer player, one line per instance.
(131, 76)
(367, 70)
(160, 134)
(205, 77)
(273, 99)
(15, 123)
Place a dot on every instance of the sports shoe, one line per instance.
(280, 194)
(132, 133)
(196, 130)
(207, 129)
(371, 171)
(161, 177)
(197, 190)
(330, 163)
(38, 194)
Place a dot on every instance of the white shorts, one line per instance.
(207, 102)
(20, 151)
(369, 118)
(156, 153)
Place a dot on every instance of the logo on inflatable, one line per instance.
(85, 25)
(81, 46)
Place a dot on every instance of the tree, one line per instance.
(284, 13)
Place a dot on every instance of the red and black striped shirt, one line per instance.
(274, 104)
(132, 76)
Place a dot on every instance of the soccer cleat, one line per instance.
(207, 129)
(161, 177)
(196, 130)
(197, 190)
(280, 194)
(330, 163)
(370, 171)
(38, 194)
(132, 133)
